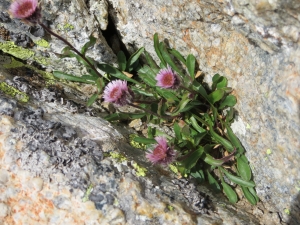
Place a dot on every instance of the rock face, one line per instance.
(254, 43)
(66, 166)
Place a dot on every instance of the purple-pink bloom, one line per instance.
(117, 92)
(166, 78)
(162, 153)
(25, 9)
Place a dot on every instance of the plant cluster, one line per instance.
(172, 94)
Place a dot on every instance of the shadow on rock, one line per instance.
(294, 211)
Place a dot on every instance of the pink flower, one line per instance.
(25, 9)
(166, 78)
(118, 93)
(162, 153)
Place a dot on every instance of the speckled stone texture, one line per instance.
(255, 44)
(57, 166)
(76, 21)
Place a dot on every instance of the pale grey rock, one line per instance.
(255, 44)
(74, 21)
(42, 140)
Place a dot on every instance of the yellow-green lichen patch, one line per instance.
(46, 75)
(118, 156)
(16, 51)
(87, 193)
(9, 90)
(170, 208)
(68, 26)
(13, 64)
(42, 43)
(136, 144)
(41, 60)
(140, 171)
(173, 169)
(287, 211)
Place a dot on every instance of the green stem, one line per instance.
(71, 46)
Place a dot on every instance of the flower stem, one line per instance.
(71, 46)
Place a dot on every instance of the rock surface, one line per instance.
(61, 166)
(255, 44)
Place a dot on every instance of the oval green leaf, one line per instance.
(122, 60)
(230, 193)
(238, 180)
(244, 169)
(216, 96)
(248, 195)
(190, 63)
(229, 101)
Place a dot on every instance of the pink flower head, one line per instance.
(162, 153)
(166, 78)
(25, 9)
(118, 93)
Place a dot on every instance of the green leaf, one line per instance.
(196, 125)
(253, 192)
(229, 101)
(177, 131)
(70, 77)
(181, 106)
(141, 91)
(168, 59)
(178, 55)
(151, 62)
(148, 76)
(157, 50)
(168, 95)
(198, 137)
(248, 195)
(222, 82)
(200, 89)
(92, 99)
(144, 140)
(199, 175)
(230, 193)
(215, 78)
(212, 181)
(122, 60)
(190, 63)
(224, 142)
(114, 72)
(133, 58)
(212, 161)
(244, 169)
(216, 96)
(90, 43)
(238, 180)
(100, 84)
(234, 140)
(193, 158)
